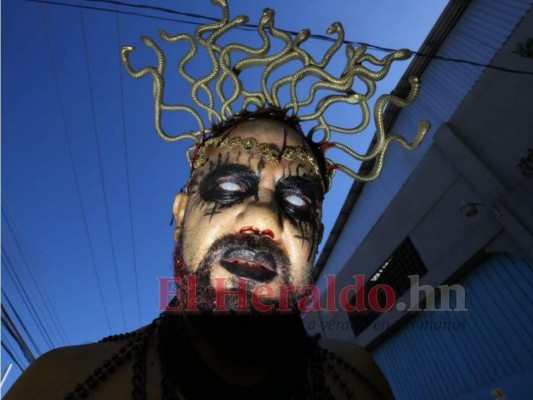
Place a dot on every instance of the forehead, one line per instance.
(273, 141)
(275, 133)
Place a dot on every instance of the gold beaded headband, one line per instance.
(217, 94)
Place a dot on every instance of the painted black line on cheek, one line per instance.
(308, 232)
(193, 187)
(279, 212)
(314, 235)
(238, 157)
(312, 247)
(197, 202)
(213, 211)
(302, 237)
(200, 202)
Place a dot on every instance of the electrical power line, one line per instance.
(56, 3)
(124, 136)
(73, 165)
(9, 350)
(249, 27)
(100, 166)
(19, 286)
(21, 323)
(25, 255)
(10, 326)
(23, 284)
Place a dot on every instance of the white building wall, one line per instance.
(464, 355)
(477, 36)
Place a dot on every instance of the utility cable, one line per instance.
(8, 323)
(12, 273)
(100, 167)
(76, 179)
(25, 284)
(7, 347)
(249, 27)
(124, 136)
(22, 324)
(30, 266)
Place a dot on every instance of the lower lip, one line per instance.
(250, 271)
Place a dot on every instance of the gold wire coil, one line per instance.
(217, 94)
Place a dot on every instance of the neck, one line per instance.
(245, 349)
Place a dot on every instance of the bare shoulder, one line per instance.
(365, 376)
(56, 372)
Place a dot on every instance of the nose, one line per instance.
(260, 216)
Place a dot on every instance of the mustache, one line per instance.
(259, 248)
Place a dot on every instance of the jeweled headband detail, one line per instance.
(221, 94)
(270, 154)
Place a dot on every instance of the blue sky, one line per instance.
(61, 83)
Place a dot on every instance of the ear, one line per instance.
(178, 209)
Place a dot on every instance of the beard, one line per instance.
(205, 295)
(250, 339)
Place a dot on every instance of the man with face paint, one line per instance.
(250, 217)
(248, 224)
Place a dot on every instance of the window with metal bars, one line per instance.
(394, 272)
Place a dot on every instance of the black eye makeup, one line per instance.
(299, 197)
(228, 184)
